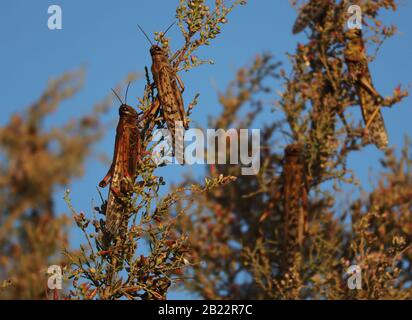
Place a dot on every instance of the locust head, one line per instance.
(156, 50)
(353, 34)
(293, 149)
(293, 152)
(159, 57)
(127, 111)
(124, 109)
(354, 45)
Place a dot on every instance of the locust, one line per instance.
(169, 96)
(295, 198)
(123, 170)
(311, 12)
(369, 99)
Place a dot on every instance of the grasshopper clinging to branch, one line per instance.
(295, 202)
(123, 170)
(169, 96)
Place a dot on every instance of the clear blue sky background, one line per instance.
(103, 36)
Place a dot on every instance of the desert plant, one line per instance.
(35, 161)
(257, 250)
(147, 253)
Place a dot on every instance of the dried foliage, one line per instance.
(147, 253)
(279, 234)
(35, 161)
(246, 237)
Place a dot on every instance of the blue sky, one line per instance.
(103, 36)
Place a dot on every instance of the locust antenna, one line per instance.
(117, 96)
(168, 28)
(141, 29)
(127, 90)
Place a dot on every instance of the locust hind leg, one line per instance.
(149, 116)
(107, 178)
(151, 111)
(367, 85)
(182, 86)
(182, 89)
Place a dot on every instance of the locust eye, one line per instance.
(123, 109)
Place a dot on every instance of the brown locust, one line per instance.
(295, 194)
(311, 12)
(369, 99)
(169, 96)
(122, 172)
